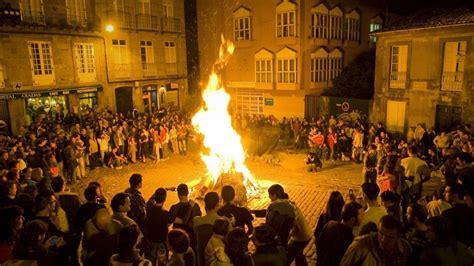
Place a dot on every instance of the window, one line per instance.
(286, 66)
(147, 58)
(249, 101)
(263, 71)
(144, 18)
(335, 24)
(170, 58)
(76, 12)
(325, 66)
(453, 65)
(87, 100)
(396, 115)
(352, 26)
(144, 7)
(32, 11)
(286, 19)
(398, 66)
(320, 22)
(85, 62)
(375, 24)
(168, 8)
(41, 59)
(242, 24)
(121, 61)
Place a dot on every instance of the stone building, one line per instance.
(286, 51)
(69, 54)
(424, 70)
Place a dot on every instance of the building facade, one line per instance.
(285, 50)
(69, 54)
(424, 71)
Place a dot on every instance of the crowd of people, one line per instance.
(391, 223)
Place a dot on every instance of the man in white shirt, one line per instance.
(415, 171)
(374, 211)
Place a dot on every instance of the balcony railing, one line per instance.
(147, 22)
(77, 21)
(398, 80)
(170, 24)
(452, 81)
(149, 70)
(123, 19)
(33, 17)
(121, 70)
(171, 68)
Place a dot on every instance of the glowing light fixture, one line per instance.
(109, 28)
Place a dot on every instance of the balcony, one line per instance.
(452, 81)
(147, 22)
(33, 17)
(170, 24)
(149, 70)
(123, 19)
(398, 80)
(171, 68)
(77, 21)
(121, 70)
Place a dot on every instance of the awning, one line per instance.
(47, 93)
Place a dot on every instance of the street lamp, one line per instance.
(109, 28)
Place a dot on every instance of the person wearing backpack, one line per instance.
(280, 213)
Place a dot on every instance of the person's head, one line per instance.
(228, 194)
(33, 234)
(8, 189)
(276, 192)
(412, 151)
(390, 230)
(136, 181)
(127, 241)
(4, 154)
(211, 201)
(264, 235)
(102, 219)
(121, 202)
(368, 228)
(45, 202)
(178, 241)
(464, 159)
(237, 245)
(91, 193)
(416, 214)
(10, 224)
(334, 205)
(182, 190)
(390, 198)
(371, 191)
(352, 213)
(58, 184)
(160, 195)
(454, 193)
(439, 230)
(221, 226)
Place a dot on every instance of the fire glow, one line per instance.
(225, 153)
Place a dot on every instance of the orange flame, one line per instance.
(225, 152)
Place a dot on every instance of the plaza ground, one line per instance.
(308, 190)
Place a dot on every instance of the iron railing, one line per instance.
(170, 24)
(146, 22)
(398, 80)
(452, 81)
(171, 68)
(33, 17)
(149, 69)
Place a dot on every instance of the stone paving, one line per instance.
(308, 190)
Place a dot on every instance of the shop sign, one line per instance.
(269, 101)
(172, 86)
(26, 95)
(149, 88)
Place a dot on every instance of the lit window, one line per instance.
(352, 26)
(286, 19)
(335, 24)
(41, 59)
(85, 62)
(242, 24)
(375, 24)
(170, 58)
(325, 66)
(398, 66)
(121, 60)
(454, 58)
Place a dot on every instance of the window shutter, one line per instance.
(461, 56)
(402, 57)
(449, 61)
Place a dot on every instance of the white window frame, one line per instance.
(121, 57)
(85, 62)
(287, 29)
(168, 8)
(320, 22)
(398, 66)
(264, 70)
(286, 70)
(454, 58)
(41, 59)
(249, 101)
(352, 26)
(335, 23)
(319, 66)
(374, 25)
(170, 52)
(242, 28)
(76, 12)
(32, 11)
(335, 64)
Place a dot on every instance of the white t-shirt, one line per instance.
(372, 214)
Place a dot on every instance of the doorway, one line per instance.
(447, 117)
(124, 99)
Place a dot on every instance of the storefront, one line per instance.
(150, 97)
(170, 97)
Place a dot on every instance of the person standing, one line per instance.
(138, 206)
(156, 225)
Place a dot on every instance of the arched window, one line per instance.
(264, 66)
(319, 65)
(320, 21)
(286, 19)
(286, 66)
(352, 26)
(335, 63)
(242, 24)
(335, 23)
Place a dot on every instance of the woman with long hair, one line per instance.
(127, 252)
(333, 212)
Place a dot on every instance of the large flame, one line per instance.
(225, 153)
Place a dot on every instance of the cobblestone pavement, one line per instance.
(309, 190)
